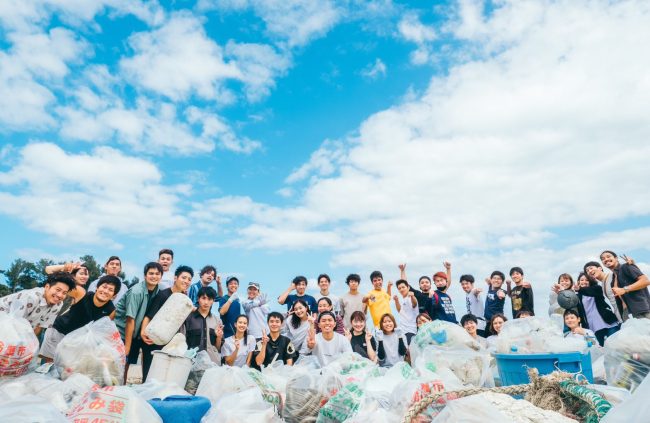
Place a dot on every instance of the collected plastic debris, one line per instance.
(627, 354)
(95, 350)
(18, 344)
(536, 335)
(113, 403)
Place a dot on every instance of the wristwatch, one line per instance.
(626, 288)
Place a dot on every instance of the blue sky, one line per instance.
(275, 138)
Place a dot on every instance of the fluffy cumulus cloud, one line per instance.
(547, 130)
(293, 22)
(88, 197)
(33, 62)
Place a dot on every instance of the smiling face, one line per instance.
(377, 282)
(496, 281)
(517, 277)
(301, 287)
(326, 323)
(241, 324)
(183, 281)
(403, 289)
(609, 261)
(207, 277)
(571, 321)
(387, 325)
(324, 285)
(252, 292)
(324, 306)
(81, 277)
(422, 319)
(594, 272)
(565, 282)
(232, 286)
(275, 324)
(153, 276)
(358, 325)
(300, 310)
(55, 293)
(470, 327)
(583, 282)
(467, 286)
(497, 324)
(113, 267)
(105, 292)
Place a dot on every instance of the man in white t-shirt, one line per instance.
(324, 283)
(474, 303)
(407, 307)
(257, 310)
(166, 259)
(328, 345)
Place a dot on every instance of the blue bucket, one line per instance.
(181, 408)
(513, 368)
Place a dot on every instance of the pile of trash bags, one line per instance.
(536, 335)
(627, 354)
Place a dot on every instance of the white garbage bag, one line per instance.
(113, 404)
(30, 408)
(95, 350)
(244, 406)
(170, 317)
(18, 345)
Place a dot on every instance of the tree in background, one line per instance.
(21, 274)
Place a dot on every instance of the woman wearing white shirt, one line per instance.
(296, 326)
(238, 349)
(392, 344)
(327, 345)
(496, 322)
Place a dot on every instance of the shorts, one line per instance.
(50, 341)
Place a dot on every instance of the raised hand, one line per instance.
(402, 267)
(347, 334)
(501, 294)
(218, 279)
(446, 264)
(368, 336)
(265, 339)
(237, 344)
(219, 331)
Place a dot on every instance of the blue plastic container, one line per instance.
(181, 408)
(513, 368)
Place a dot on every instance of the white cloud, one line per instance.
(295, 22)
(177, 60)
(88, 198)
(28, 68)
(413, 30)
(99, 115)
(374, 70)
(22, 15)
(493, 160)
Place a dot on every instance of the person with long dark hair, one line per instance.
(238, 349)
(594, 311)
(296, 326)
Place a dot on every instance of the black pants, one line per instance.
(147, 358)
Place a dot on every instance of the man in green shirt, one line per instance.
(131, 309)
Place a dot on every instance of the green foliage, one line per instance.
(94, 270)
(21, 274)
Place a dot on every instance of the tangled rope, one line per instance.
(557, 391)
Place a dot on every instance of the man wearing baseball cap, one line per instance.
(229, 307)
(440, 305)
(257, 310)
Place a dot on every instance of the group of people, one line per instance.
(244, 331)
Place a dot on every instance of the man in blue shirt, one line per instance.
(206, 277)
(299, 283)
(229, 307)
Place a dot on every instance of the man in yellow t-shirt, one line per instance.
(378, 300)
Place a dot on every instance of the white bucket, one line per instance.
(169, 368)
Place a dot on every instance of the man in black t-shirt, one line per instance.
(182, 280)
(521, 296)
(274, 347)
(629, 285)
(87, 308)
